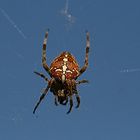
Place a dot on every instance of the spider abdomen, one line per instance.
(64, 67)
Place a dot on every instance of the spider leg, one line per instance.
(87, 53)
(77, 98)
(42, 75)
(66, 101)
(82, 81)
(41, 98)
(55, 100)
(45, 66)
(71, 105)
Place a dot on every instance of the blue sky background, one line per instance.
(110, 106)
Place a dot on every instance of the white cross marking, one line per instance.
(58, 70)
(63, 78)
(64, 68)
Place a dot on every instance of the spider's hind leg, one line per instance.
(45, 66)
(83, 69)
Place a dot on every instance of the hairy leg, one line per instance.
(82, 81)
(42, 75)
(77, 97)
(78, 100)
(71, 105)
(46, 67)
(55, 100)
(41, 98)
(66, 101)
(87, 53)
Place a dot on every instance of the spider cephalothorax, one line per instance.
(64, 71)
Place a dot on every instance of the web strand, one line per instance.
(13, 23)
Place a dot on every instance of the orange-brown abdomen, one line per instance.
(64, 67)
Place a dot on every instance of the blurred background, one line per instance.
(110, 104)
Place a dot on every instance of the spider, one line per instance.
(64, 70)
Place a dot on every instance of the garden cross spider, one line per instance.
(64, 71)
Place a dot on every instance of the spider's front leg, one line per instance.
(86, 57)
(71, 104)
(41, 98)
(45, 66)
(66, 101)
(43, 95)
(77, 97)
(78, 100)
(55, 100)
